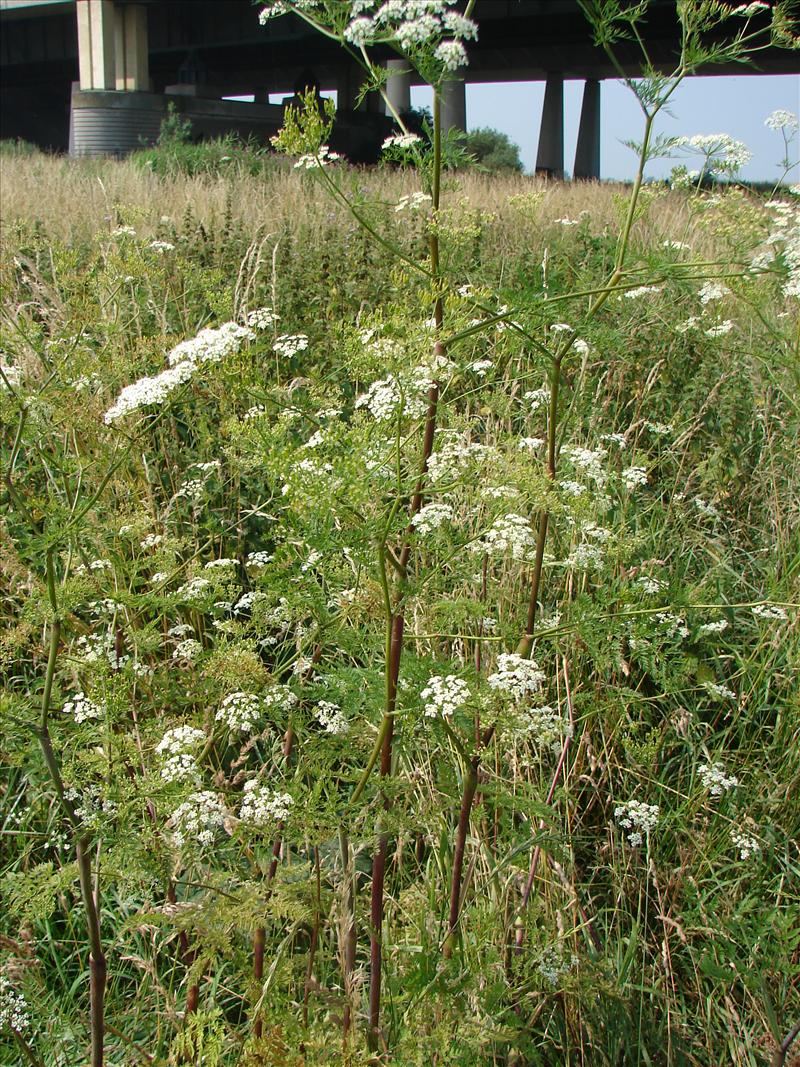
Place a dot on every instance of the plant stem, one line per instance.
(97, 961)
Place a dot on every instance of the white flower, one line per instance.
(508, 533)
(280, 698)
(546, 727)
(182, 767)
(769, 611)
(553, 964)
(162, 246)
(413, 202)
(518, 677)
(589, 461)
(417, 31)
(529, 444)
(455, 23)
(637, 818)
(650, 585)
(451, 54)
(748, 10)
(585, 556)
(712, 291)
(262, 318)
(633, 477)
(81, 708)
(123, 231)
(197, 821)
(194, 591)
(705, 508)
(210, 346)
(715, 780)
(722, 692)
(187, 650)
(322, 158)
(257, 560)
(781, 119)
(330, 717)
(481, 366)
(401, 140)
(537, 397)
(13, 1008)
(717, 627)
(430, 517)
(289, 344)
(444, 696)
(240, 711)
(222, 564)
(642, 290)
(572, 488)
(747, 845)
(719, 330)
(179, 739)
(262, 806)
(360, 31)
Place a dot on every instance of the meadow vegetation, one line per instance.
(400, 583)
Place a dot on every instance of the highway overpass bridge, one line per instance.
(96, 76)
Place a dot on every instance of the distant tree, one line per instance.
(493, 150)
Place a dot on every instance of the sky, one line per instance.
(736, 105)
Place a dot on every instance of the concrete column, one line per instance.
(398, 87)
(131, 48)
(587, 152)
(96, 60)
(550, 154)
(454, 106)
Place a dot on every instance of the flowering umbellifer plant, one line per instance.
(350, 625)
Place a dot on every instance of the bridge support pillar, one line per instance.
(454, 106)
(131, 48)
(96, 59)
(398, 87)
(550, 153)
(587, 152)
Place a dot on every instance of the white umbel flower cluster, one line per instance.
(261, 318)
(443, 696)
(547, 727)
(13, 1008)
(176, 751)
(518, 677)
(413, 25)
(431, 516)
(715, 780)
(637, 819)
(633, 477)
(280, 698)
(81, 708)
(510, 534)
(197, 820)
(330, 718)
(746, 844)
(262, 806)
(240, 711)
(209, 346)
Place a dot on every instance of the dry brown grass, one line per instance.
(73, 199)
